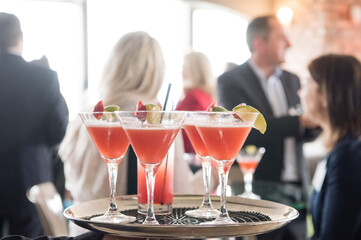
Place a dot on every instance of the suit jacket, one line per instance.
(241, 85)
(336, 208)
(33, 119)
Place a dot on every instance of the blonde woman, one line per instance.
(198, 87)
(134, 71)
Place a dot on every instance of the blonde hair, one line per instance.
(134, 70)
(199, 72)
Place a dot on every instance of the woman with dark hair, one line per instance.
(332, 99)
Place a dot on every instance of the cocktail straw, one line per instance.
(166, 97)
(166, 160)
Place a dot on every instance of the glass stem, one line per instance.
(150, 177)
(248, 178)
(223, 178)
(206, 168)
(112, 173)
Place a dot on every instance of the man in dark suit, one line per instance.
(33, 121)
(261, 83)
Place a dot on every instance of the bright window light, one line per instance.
(221, 35)
(285, 15)
(109, 20)
(53, 29)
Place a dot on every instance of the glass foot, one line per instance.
(203, 212)
(250, 195)
(220, 220)
(114, 218)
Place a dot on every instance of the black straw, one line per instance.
(166, 97)
(166, 160)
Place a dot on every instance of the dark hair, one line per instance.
(10, 31)
(258, 27)
(339, 79)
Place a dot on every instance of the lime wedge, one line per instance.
(251, 149)
(153, 117)
(260, 124)
(111, 108)
(219, 109)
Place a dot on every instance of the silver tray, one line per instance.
(253, 216)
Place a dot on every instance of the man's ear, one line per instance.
(258, 43)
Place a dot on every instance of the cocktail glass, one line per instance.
(151, 133)
(206, 209)
(112, 143)
(248, 159)
(224, 134)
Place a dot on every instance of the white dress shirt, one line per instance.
(275, 94)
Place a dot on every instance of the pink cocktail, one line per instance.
(248, 159)
(151, 133)
(112, 143)
(248, 165)
(146, 146)
(224, 135)
(196, 140)
(206, 209)
(163, 188)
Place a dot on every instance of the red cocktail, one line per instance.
(112, 143)
(224, 134)
(206, 209)
(163, 188)
(248, 159)
(248, 165)
(151, 133)
(146, 146)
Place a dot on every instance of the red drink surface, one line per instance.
(151, 144)
(196, 140)
(111, 141)
(224, 142)
(163, 190)
(248, 165)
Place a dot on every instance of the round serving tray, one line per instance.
(252, 216)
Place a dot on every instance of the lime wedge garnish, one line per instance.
(260, 124)
(111, 108)
(219, 109)
(153, 117)
(251, 149)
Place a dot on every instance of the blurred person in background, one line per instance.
(262, 83)
(331, 97)
(198, 88)
(33, 120)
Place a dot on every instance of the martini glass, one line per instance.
(248, 159)
(224, 134)
(206, 209)
(151, 133)
(112, 143)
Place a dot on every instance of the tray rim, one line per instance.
(279, 222)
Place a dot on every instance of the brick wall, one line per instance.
(320, 27)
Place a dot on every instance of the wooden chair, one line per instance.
(50, 208)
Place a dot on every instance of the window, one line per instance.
(54, 29)
(165, 20)
(221, 35)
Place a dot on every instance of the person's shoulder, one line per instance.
(347, 153)
(236, 71)
(40, 74)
